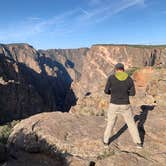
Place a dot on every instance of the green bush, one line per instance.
(158, 68)
(105, 155)
(5, 131)
(130, 71)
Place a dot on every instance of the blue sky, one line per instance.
(73, 23)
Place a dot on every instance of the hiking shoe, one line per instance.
(105, 144)
(139, 146)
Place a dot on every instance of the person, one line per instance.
(120, 86)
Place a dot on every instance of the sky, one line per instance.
(47, 24)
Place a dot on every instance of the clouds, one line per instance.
(67, 23)
(95, 3)
(33, 26)
(107, 9)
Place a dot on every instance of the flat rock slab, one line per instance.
(79, 139)
(64, 132)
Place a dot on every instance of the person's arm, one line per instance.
(107, 89)
(131, 87)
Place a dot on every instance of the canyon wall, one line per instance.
(99, 64)
(34, 81)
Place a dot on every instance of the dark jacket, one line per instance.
(120, 86)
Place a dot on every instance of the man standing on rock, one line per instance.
(120, 86)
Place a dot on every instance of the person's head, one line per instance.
(119, 67)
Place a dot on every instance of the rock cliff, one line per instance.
(32, 81)
(100, 60)
(98, 65)
(19, 99)
(46, 76)
(72, 62)
(25, 89)
(71, 59)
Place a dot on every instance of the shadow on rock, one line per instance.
(142, 119)
(3, 153)
(35, 152)
(61, 84)
(24, 92)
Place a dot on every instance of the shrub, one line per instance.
(5, 131)
(130, 71)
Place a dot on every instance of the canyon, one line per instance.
(64, 88)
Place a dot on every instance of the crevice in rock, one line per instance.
(35, 124)
(139, 155)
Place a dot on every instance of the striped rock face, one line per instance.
(100, 61)
(99, 64)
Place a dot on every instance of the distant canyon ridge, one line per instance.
(34, 81)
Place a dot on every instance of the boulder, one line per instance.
(62, 132)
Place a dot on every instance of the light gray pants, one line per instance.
(126, 112)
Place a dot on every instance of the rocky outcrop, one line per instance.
(78, 139)
(71, 138)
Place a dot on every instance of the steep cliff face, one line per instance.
(70, 63)
(22, 53)
(33, 81)
(19, 98)
(71, 59)
(99, 63)
(100, 60)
